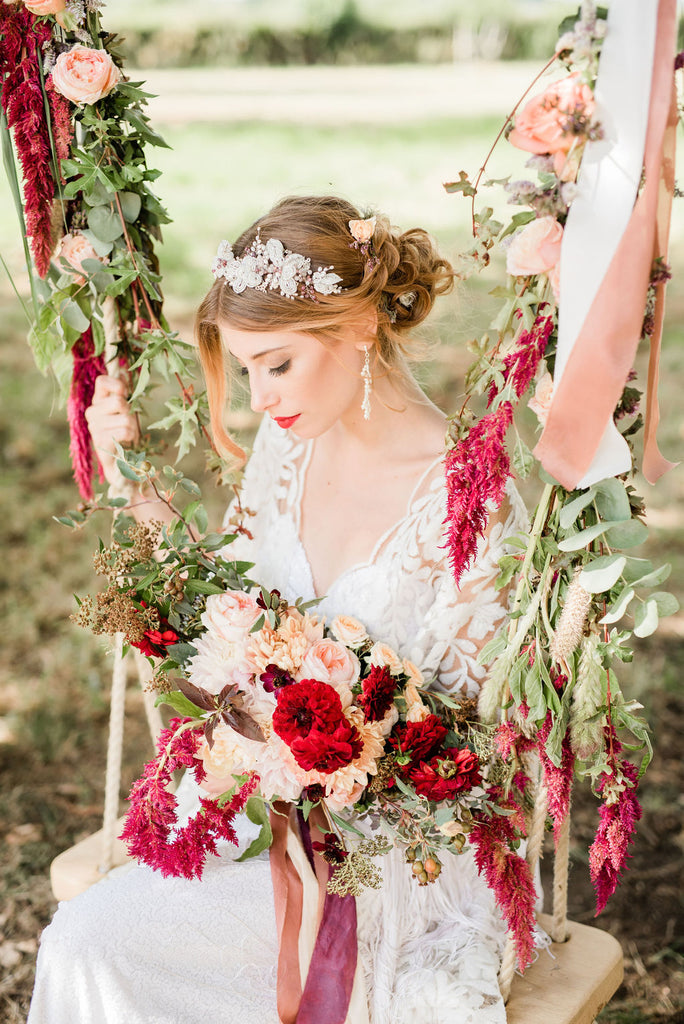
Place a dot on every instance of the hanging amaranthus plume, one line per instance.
(151, 831)
(558, 778)
(477, 469)
(87, 366)
(570, 628)
(21, 38)
(508, 875)
(521, 364)
(619, 814)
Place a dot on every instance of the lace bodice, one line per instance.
(404, 593)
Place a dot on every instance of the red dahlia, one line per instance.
(305, 706)
(444, 776)
(419, 739)
(328, 751)
(377, 693)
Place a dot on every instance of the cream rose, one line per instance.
(75, 249)
(230, 615)
(331, 662)
(413, 673)
(417, 711)
(44, 6)
(541, 126)
(84, 75)
(536, 248)
(540, 403)
(383, 654)
(348, 630)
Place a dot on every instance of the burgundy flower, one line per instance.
(419, 739)
(273, 677)
(155, 642)
(332, 849)
(453, 771)
(327, 751)
(608, 853)
(305, 706)
(377, 693)
(521, 364)
(87, 367)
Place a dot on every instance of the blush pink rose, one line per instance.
(85, 75)
(540, 127)
(348, 630)
(231, 615)
(540, 403)
(330, 662)
(44, 6)
(75, 249)
(536, 248)
(384, 655)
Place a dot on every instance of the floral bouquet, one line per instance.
(281, 710)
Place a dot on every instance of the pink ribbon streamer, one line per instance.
(605, 349)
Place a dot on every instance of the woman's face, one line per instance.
(304, 384)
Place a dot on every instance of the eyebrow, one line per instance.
(259, 355)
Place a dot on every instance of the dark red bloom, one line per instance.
(273, 677)
(477, 469)
(521, 364)
(453, 771)
(377, 693)
(419, 740)
(332, 849)
(304, 706)
(327, 751)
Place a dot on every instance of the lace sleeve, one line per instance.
(462, 620)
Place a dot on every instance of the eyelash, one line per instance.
(275, 371)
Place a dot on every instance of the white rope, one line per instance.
(559, 926)
(118, 696)
(114, 750)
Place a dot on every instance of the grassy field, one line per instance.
(53, 681)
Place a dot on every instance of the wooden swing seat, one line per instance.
(568, 984)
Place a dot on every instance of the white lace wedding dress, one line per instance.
(140, 949)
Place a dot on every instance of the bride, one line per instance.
(316, 307)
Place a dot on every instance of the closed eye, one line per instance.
(276, 371)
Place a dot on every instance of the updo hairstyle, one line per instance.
(399, 283)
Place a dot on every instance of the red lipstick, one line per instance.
(286, 421)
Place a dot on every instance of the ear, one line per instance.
(366, 330)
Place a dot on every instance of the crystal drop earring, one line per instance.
(367, 384)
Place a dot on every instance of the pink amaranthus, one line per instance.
(558, 778)
(22, 36)
(619, 814)
(87, 367)
(152, 816)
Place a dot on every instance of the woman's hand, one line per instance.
(110, 420)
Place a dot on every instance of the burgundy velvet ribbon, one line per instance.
(330, 978)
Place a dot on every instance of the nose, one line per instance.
(262, 394)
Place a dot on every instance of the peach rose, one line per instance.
(541, 126)
(362, 230)
(554, 281)
(540, 403)
(331, 662)
(84, 75)
(75, 249)
(414, 674)
(230, 615)
(383, 654)
(536, 248)
(348, 630)
(44, 6)
(417, 711)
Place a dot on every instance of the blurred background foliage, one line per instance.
(387, 135)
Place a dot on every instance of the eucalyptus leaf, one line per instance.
(100, 247)
(627, 535)
(580, 540)
(105, 223)
(667, 604)
(655, 578)
(569, 512)
(636, 568)
(618, 607)
(256, 812)
(72, 314)
(602, 573)
(612, 501)
(130, 205)
(646, 618)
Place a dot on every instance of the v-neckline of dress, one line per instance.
(300, 473)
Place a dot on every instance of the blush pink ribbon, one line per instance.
(604, 351)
